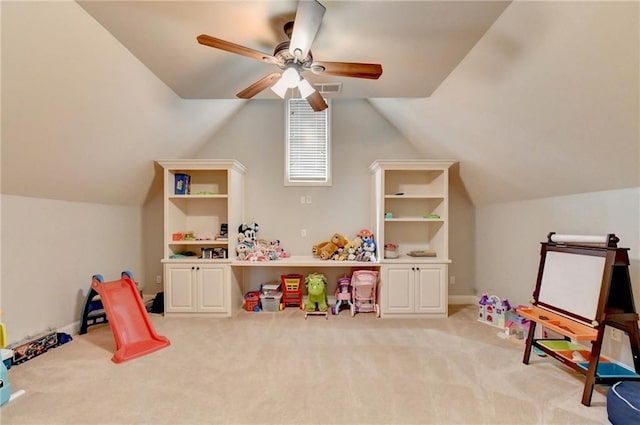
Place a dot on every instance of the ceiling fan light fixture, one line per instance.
(291, 77)
(280, 87)
(305, 88)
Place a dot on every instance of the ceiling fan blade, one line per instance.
(258, 86)
(317, 102)
(305, 27)
(371, 71)
(207, 40)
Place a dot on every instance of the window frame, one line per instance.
(288, 181)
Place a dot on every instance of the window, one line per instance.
(308, 153)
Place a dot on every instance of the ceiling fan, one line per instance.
(294, 57)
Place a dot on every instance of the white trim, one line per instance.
(463, 299)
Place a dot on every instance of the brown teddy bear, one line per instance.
(325, 250)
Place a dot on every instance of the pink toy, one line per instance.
(343, 294)
(364, 284)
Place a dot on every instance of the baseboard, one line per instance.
(463, 299)
(71, 328)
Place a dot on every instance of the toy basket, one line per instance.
(251, 300)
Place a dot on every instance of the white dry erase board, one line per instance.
(572, 282)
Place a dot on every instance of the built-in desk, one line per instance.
(249, 275)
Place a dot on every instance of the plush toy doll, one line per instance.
(325, 250)
(275, 251)
(369, 248)
(248, 233)
(316, 284)
(350, 249)
(246, 240)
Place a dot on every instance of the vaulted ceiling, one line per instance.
(418, 43)
(535, 99)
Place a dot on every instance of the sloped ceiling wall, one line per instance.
(82, 118)
(546, 104)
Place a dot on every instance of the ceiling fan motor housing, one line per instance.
(285, 58)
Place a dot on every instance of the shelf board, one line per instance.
(411, 219)
(217, 196)
(304, 261)
(202, 242)
(414, 196)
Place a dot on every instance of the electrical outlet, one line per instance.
(308, 199)
(303, 199)
(452, 280)
(303, 233)
(616, 335)
(158, 279)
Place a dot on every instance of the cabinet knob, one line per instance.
(418, 268)
(193, 267)
(197, 268)
(413, 269)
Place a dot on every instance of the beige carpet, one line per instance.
(278, 368)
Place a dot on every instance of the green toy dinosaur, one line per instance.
(317, 288)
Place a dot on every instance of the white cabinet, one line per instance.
(196, 288)
(417, 289)
(197, 271)
(411, 211)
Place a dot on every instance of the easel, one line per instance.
(583, 286)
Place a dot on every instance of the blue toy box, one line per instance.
(182, 184)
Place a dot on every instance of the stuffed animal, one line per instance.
(325, 250)
(365, 235)
(275, 251)
(341, 254)
(369, 248)
(316, 284)
(247, 236)
(248, 233)
(351, 250)
(242, 249)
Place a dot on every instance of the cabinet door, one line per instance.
(398, 284)
(179, 291)
(211, 289)
(430, 289)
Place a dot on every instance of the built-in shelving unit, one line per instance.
(411, 211)
(197, 274)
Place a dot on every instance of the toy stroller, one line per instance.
(364, 297)
(343, 294)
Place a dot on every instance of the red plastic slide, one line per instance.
(129, 320)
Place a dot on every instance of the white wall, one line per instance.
(255, 136)
(508, 240)
(508, 236)
(546, 103)
(82, 117)
(50, 251)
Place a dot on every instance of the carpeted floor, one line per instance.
(278, 368)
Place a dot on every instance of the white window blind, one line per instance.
(308, 145)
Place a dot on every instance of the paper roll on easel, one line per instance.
(578, 239)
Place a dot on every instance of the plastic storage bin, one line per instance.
(271, 288)
(271, 302)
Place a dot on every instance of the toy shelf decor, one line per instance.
(493, 310)
(583, 286)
